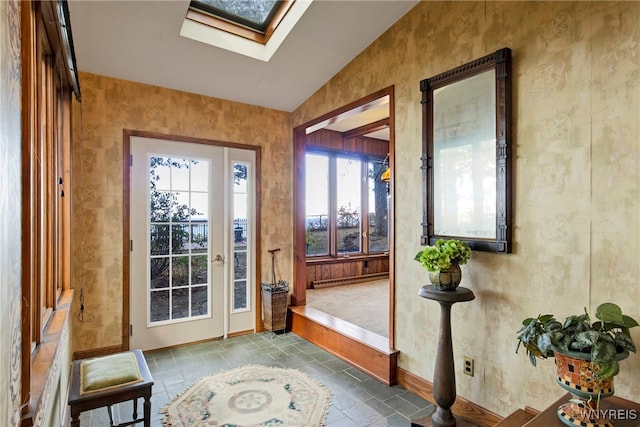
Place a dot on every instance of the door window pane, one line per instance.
(199, 298)
(159, 306)
(241, 290)
(178, 238)
(317, 204)
(348, 185)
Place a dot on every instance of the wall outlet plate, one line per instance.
(468, 366)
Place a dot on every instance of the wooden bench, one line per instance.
(91, 388)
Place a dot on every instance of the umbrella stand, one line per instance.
(275, 299)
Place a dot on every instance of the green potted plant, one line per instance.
(587, 354)
(443, 261)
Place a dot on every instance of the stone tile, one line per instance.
(363, 414)
(358, 400)
(380, 407)
(415, 399)
(378, 389)
(397, 420)
(402, 406)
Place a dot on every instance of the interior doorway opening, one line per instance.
(343, 217)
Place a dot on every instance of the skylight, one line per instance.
(254, 28)
(255, 14)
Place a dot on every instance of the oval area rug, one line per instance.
(250, 396)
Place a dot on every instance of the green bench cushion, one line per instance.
(107, 372)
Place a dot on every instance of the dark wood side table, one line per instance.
(110, 396)
(623, 413)
(444, 377)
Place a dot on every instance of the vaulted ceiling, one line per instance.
(140, 41)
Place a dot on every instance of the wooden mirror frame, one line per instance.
(500, 63)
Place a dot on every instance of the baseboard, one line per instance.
(95, 352)
(349, 280)
(462, 407)
(240, 333)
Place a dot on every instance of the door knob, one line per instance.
(218, 258)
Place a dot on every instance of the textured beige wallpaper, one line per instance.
(109, 106)
(576, 225)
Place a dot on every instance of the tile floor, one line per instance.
(358, 399)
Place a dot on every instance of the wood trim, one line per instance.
(27, 60)
(237, 29)
(517, 418)
(126, 237)
(298, 296)
(126, 232)
(462, 407)
(259, 326)
(47, 364)
(299, 289)
(368, 128)
(392, 222)
(96, 352)
(363, 349)
(187, 344)
(338, 260)
(241, 333)
(347, 280)
(346, 110)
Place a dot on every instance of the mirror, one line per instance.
(466, 158)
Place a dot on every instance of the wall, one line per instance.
(576, 228)
(10, 243)
(109, 106)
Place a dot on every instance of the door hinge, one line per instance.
(131, 245)
(130, 330)
(130, 159)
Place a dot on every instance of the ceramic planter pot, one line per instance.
(578, 375)
(446, 280)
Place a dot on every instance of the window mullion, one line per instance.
(364, 202)
(333, 207)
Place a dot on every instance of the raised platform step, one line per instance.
(364, 349)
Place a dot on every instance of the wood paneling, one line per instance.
(335, 141)
(363, 349)
(338, 268)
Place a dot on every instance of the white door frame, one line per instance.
(254, 155)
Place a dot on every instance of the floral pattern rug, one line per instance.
(250, 396)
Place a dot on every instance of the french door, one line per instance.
(192, 239)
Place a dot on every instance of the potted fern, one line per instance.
(443, 261)
(587, 354)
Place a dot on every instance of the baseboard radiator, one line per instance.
(349, 280)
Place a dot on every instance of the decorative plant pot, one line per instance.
(446, 280)
(578, 375)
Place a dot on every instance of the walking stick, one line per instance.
(273, 265)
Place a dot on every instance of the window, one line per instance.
(46, 207)
(346, 205)
(178, 261)
(255, 20)
(241, 289)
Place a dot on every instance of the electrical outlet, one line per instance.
(468, 366)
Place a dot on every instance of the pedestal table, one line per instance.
(444, 377)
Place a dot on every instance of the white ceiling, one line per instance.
(139, 41)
